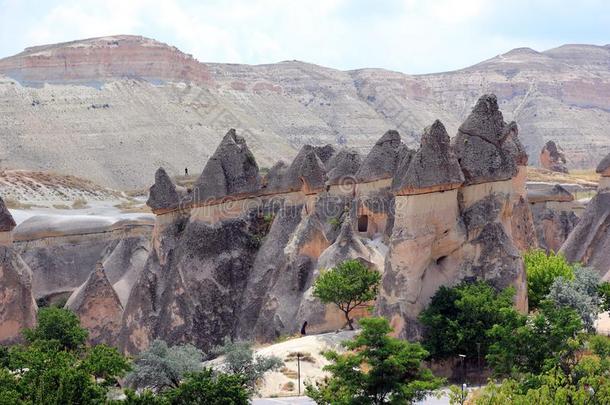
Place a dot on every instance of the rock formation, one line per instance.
(17, 305)
(98, 307)
(62, 251)
(553, 212)
(589, 242)
(552, 158)
(162, 195)
(242, 262)
(455, 223)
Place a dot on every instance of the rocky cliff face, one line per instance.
(589, 242)
(98, 307)
(17, 305)
(553, 213)
(130, 95)
(241, 261)
(452, 225)
(63, 252)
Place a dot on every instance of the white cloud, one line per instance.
(407, 35)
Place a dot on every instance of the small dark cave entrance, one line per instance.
(363, 223)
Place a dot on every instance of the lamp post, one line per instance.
(462, 358)
(299, 371)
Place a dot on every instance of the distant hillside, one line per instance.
(113, 109)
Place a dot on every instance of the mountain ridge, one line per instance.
(117, 97)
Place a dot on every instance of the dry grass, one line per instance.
(61, 206)
(587, 178)
(133, 206)
(292, 356)
(79, 203)
(289, 386)
(15, 204)
(289, 373)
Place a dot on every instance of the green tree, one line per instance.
(542, 269)
(348, 285)
(603, 290)
(534, 343)
(60, 325)
(49, 374)
(377, 369)
(106, 363)
(239, 359)
(9, 393)
(209, 388)
(580, 294)
(161, 367)
(457, 319)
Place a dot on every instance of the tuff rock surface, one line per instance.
(17, 305)
(553, 158)
(248, 273)
(483, 146)
(589, 242)
(231, 170)
(98, 307)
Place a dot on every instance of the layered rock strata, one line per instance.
(241, 261)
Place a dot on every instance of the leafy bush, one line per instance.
(239, 359)
(535, 343)
(209, 388)
(162, 367)
(542, 269)
(55, 367)
(57, 324)
(377, 369)
(603, 290)
(457, 319)
(348, 285)
(580, 294)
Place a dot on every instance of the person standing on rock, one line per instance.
(186, 171)
(303, 329)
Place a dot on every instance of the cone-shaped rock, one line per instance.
(552, 158)
(342, 167)
(273, 181)
(17, 305)
(98, 307)
(382, 160)
(513, 144)
(232, 170)
(603, 167)
(434, 166)
(7, 223)
(481, 144)
(306, 172)
(163, 195)
(325, 152)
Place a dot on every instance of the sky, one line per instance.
(411, 36)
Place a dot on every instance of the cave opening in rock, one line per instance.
(440, 260)
(363, 223)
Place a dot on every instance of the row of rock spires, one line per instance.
(218, 266)
(423, 217)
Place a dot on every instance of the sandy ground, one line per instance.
(98, 210)
(603, 324)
